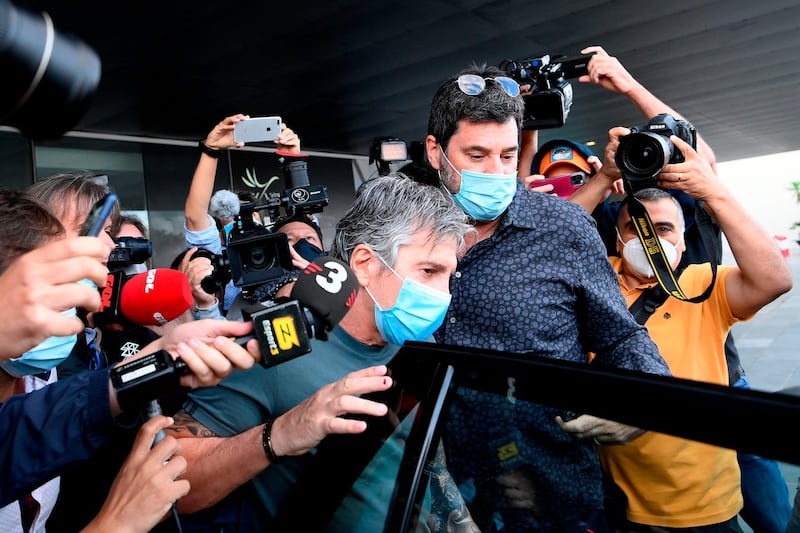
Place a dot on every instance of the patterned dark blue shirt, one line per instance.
(541, 283)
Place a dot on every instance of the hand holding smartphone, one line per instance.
(257, 129)
(563, 186)
(98, 215)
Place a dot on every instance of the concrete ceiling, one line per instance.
(343, 72)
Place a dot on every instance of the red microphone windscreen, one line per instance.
(155, 297)
(328, 288)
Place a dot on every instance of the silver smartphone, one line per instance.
(257, 129)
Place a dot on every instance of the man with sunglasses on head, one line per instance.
(537, 280)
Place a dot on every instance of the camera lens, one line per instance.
(643, 154)
(260, 259)
(45, 89)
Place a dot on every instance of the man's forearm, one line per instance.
(764, 272)
(593, 192)
(216, 465)
(200, 192)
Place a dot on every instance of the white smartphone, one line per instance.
(257, 129)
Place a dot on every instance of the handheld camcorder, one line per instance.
(129, 251)
(642, 154)
(254, 254)
(549, 105)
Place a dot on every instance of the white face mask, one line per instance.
(636, 258)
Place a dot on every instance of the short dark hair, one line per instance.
(450, 105)
(25, 224)
(134, 221)
(246, 197)
(650, 194)
(420, 172)
(305, 219)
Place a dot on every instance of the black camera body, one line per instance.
(642, 154)
(254, 255)
(551, 101)
(304, 200)
(129, 251)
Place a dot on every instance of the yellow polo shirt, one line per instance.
(671, 481)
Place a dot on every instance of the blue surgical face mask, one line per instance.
(484, 196)
(42, 357)
(227, 229)
(417, 313)
(306, 250)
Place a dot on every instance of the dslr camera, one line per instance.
(254, 254)
(549, 105)
(642, 154)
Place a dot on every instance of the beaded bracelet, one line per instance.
(266, 442)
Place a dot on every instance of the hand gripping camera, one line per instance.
(551, 100)
(642, 154)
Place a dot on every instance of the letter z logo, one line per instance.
(286, 333)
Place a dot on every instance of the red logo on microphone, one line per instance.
(108, 291)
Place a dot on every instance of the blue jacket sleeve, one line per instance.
(47, 430)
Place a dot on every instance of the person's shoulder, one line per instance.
(696, 277)
(553, 219)
(544, 206)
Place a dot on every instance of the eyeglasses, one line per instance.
(473, 85)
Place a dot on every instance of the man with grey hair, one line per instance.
(401, 241)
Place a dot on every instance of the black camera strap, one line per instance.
(647, 302)
(667, 279)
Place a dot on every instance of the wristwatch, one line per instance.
(211, 152)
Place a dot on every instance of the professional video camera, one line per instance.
(642, 154)
(129, 251)
(551, 100)
(255, 255)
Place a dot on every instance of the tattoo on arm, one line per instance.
(186, 426)
(448, 510)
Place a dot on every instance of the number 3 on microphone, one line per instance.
(333, 279)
